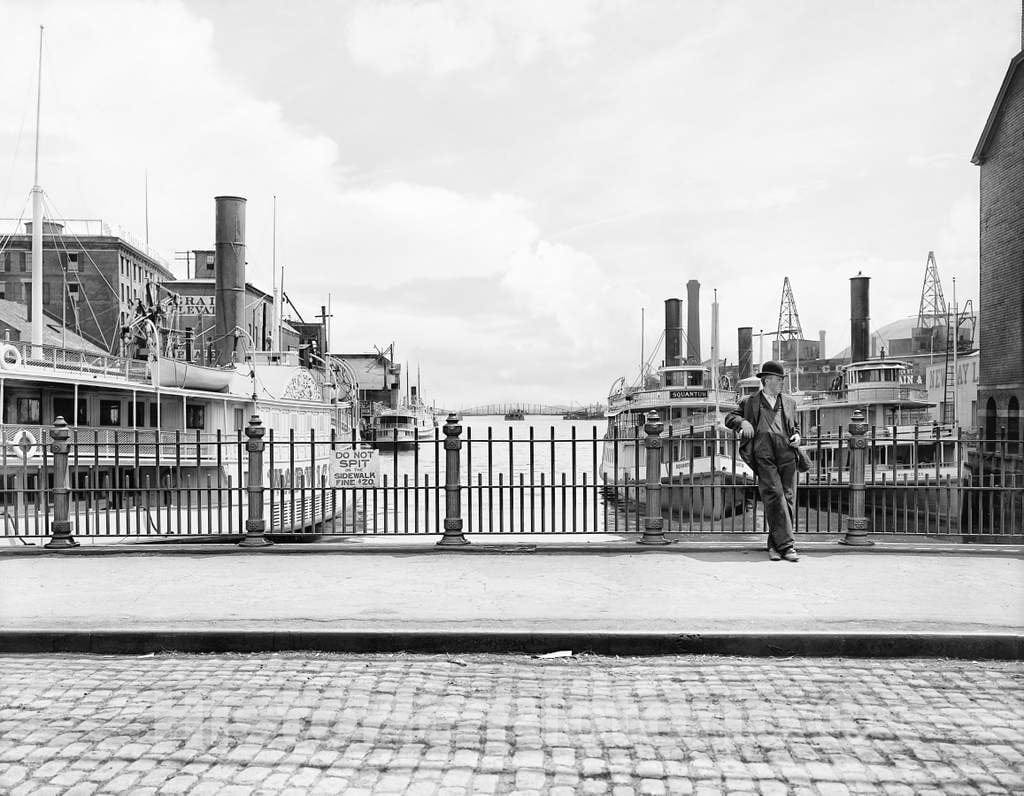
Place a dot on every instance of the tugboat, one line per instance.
(698, 454)
(515, 414)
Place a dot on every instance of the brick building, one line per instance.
(90, 280)
(1000, 156)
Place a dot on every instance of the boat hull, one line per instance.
(701, 496)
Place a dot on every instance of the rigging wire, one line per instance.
(61, 243)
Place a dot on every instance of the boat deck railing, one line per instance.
(27, 445)
(57, 359)
(869, 394)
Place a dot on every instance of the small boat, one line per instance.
(515, 414)
(181, 373)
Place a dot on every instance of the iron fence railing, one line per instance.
(96, 483)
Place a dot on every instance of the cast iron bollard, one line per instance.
(453, 500)
(856, 522)
(61, 525)
(653, 522)
(255, 525)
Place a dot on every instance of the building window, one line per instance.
(153, 419)
(138, 413)
(209, 262)
(3, 290)
(23, 259)
(110, 413)
(990, 423)
(1013, 426)
(195, 416)
(73, 262)
(73, 292)
(239, 419)
(47, 296)
(5, 262)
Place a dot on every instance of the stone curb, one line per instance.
(868, 644)
(427, 545)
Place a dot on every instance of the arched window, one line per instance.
(990, 424)
(1013, 426)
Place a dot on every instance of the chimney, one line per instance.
(229, 267)
(673, 331)
(693, 322)
(859, 317)
(821, 344)
(745, 335)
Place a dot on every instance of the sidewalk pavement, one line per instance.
(602, 594)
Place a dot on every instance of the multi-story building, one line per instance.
(1000, 156)
(92, 278)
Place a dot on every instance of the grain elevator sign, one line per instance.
(356, 467)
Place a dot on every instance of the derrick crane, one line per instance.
(788, 328)
(933, 311)
(789, 319)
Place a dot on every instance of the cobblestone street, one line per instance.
(322, 723)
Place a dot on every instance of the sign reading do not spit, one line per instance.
(356, 467)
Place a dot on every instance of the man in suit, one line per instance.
(766, 422)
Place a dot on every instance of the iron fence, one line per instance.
(64, 483)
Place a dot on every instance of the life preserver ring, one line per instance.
(24, 444)
(10, 357)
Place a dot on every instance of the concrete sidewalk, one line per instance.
(516, 593)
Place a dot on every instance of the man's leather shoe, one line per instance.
(773, 554)
(791, 555)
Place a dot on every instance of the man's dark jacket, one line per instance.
(750, 410)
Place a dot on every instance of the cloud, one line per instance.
(445, 36)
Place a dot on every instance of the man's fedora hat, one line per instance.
(771, 368)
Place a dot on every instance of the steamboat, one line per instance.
(913, 462)
(158, 430)
(701, 474)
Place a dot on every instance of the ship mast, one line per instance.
(37, 227)
(275, 315)
(714, 352)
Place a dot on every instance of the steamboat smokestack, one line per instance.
(673, 331)
(745, 338)
(859, 318)
(693, 322)
(229, 267)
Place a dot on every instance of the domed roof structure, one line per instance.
(900, 329)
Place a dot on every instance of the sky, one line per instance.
(508, 191)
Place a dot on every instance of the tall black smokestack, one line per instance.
(673, 331)
(693, 322)
(859, 317)
(745, 338)
(229, 265)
